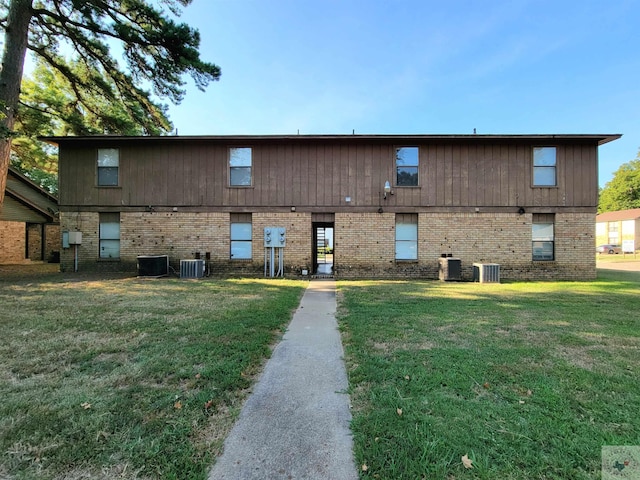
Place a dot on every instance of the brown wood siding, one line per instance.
(240, 218)
(543, 218)
(323, 217)
(320, 174)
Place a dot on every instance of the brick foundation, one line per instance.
(181, 235)
(364, 243)
(369, 240)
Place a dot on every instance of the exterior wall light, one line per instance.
(387, 189)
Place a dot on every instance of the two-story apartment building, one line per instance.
(621, 227)
(394, 203)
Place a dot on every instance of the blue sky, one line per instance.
(419, 67)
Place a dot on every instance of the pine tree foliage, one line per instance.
(75, 41)
(51, 106)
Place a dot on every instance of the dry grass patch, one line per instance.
(129, 378)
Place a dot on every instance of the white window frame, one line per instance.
(613, 233)
(109, 236)
(545, 166)
(543, 234)
(240, 163)
(241, 237)
(407, 159)
(406, 237)
(108, 162)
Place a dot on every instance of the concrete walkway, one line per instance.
(295, 424)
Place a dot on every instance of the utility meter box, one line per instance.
(75, 238)
(275, 236)
(269, 235)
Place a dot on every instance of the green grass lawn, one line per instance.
(129, 378)
(529, 380)
(619, 258)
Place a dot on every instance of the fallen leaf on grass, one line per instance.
(399, 411)
(529, 393)
(85, 405)
(486, 385)
(177, 405)
(198, 375)
(364, 467)
(208, 404)
(466, 461)
(406, 377)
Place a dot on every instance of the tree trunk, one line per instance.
(15, 50)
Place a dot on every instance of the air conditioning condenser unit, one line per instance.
(192, 268)
(486, 272)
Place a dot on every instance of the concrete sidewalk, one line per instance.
(295, 424)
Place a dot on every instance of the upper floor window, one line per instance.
(240, 166)
(544, 167)
(628, 227)
(108, 165)
(407, 166)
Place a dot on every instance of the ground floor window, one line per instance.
(109, 235)
(406, 236)
(543, 237)
(241, 245)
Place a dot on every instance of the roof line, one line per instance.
(602, 138)
(24, 179)
(28, 203)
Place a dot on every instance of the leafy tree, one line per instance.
(157, 51)
(51, 105)
(623, 191)
(47, 180)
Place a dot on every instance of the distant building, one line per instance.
(29, 228)
(619, 228)
(394, 204)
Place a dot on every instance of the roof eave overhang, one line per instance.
(49, 216)
(599, 139)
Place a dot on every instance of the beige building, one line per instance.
(391, 205)
(619, 228)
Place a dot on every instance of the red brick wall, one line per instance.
(34, 235)
(12, 242)
(53, 240)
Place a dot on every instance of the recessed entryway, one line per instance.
(323, 249)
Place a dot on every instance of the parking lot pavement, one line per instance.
(631, 266)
